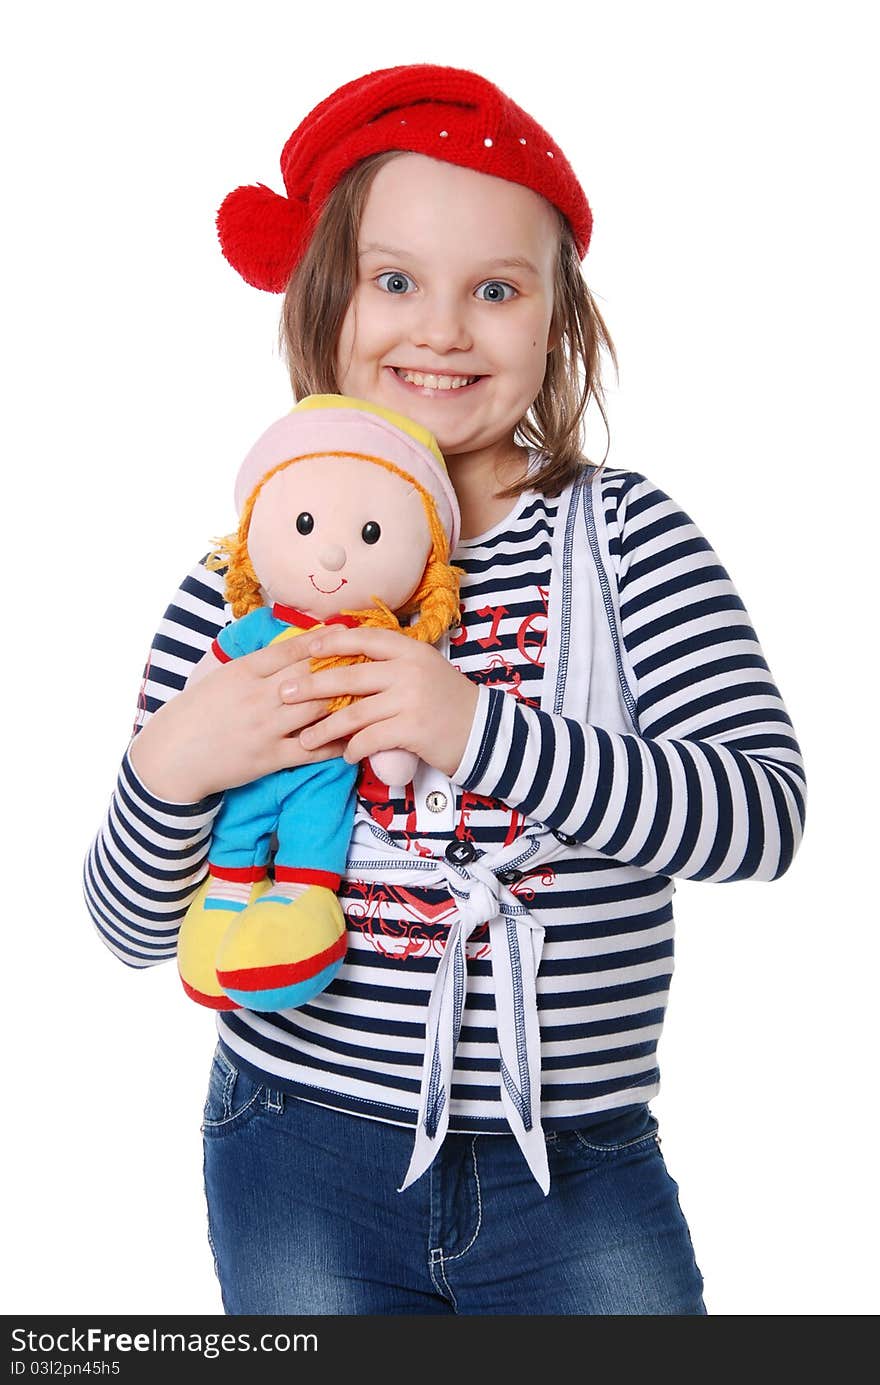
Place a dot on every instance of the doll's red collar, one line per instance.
(293, 617)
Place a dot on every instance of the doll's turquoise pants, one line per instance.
(311, 808)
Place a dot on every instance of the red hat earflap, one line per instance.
(261, 235)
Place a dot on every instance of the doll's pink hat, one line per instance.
(337, 423)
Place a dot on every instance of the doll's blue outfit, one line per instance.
(310, 807)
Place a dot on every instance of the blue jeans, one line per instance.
(305, 1218)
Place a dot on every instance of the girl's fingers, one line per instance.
(374, 642)
(291, 753)
(360, 680)
(344, 723)
(292, 717)
(377, 645)
(278, 656)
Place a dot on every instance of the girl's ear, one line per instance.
(554, 336)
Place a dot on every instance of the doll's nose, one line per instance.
(332, 557)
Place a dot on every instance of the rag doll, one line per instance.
(347, 514)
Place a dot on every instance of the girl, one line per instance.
(601, 721)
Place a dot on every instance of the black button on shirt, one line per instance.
(459, 853)
(509, 877)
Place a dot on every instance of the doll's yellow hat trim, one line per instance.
(369, 428)
(345, 401)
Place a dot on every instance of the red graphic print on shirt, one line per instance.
(500, 671)
(422, 932)
(531, 637)
(496, 614)
(371, 908)
(458, 634)
(471, 801)
(382, 808)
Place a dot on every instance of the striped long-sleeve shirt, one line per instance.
(712, 788)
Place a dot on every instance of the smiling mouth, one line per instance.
(431, 380)
(324, 590)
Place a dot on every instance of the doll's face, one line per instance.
(331, 533)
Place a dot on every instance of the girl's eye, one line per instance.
(393, 281)
(371, 532)
(496, 291)
(305, 522)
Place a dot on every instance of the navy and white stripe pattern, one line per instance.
(150, 857)
(711, 788)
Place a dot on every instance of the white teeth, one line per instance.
(435, 382)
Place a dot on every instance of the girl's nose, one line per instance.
(332, 555)
(442, 326)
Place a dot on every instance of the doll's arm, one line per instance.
(243, 636)
(712, 786)
(207, 664)
(395, 768)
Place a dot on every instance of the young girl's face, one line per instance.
(455, 281)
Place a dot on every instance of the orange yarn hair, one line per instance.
(435, 599)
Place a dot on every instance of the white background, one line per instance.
(727, 153)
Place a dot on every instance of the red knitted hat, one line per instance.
(444, 112)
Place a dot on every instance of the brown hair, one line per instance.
(323, 284)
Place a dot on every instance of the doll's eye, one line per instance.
(305, 522)
(371, 532)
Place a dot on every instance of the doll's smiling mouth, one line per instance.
(323, 590)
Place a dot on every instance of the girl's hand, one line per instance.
(411, 698)
(230, 727)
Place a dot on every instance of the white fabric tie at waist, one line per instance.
(516, 942)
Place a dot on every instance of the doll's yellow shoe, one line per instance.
(278, 954)
(201, 933)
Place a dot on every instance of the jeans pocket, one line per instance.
(234, 1097)
(611, 1139)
